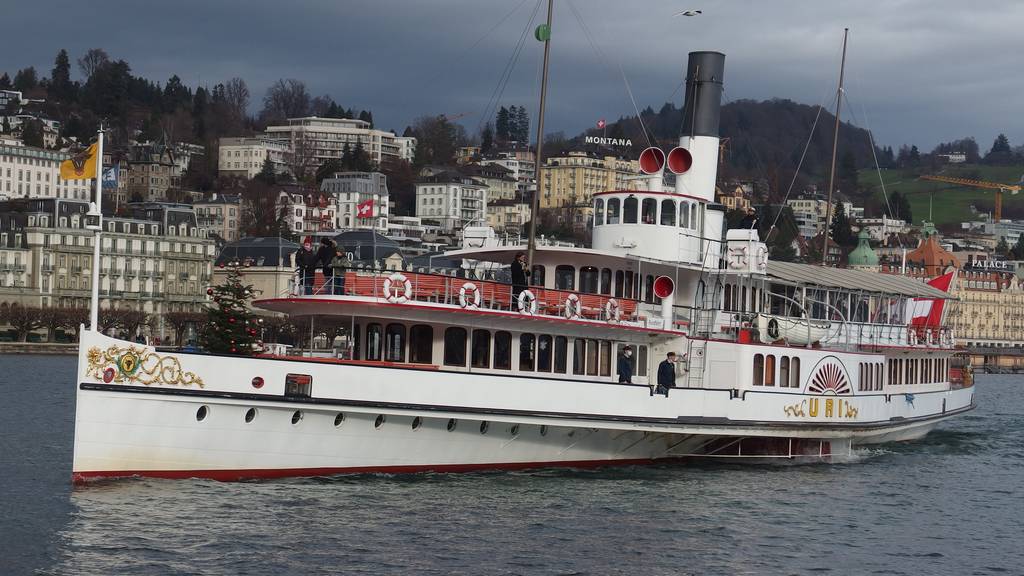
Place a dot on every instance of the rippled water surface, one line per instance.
(950, 504)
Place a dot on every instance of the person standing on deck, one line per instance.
(324, 255)
(306, 261)
(520, 275)
(667, 374)
(341, 264)
(626, 366)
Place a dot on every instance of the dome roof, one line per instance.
(863, 255)
(260, 251)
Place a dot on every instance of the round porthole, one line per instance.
(543, 430)
(514, 430)
(339, 419)
(257, 382)
(379, 421)
(417, 422)
(250, 415)
(452, 423)
(201, 413)
(484, 426)
(296, 416)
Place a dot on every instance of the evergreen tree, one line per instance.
(914, 159)
(1018, 249)
(840, 230)
(347, 160)
(200, 104)
(366, 116)
(61, 89)
(1002, 248)
(267, 173)
(32, 133)
(231, 326)
(522, 125)
(327, 169)
(502, 125)
(5, 82)
(360, 159)
(848, 169)
(486, 139)
(26, 79)
(1001, 152)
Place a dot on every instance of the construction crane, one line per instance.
(999, 188)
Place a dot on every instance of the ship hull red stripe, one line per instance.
(269, 473)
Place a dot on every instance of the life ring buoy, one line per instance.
(573, 308)
(738, 257)
(612, 310)
(393, 292)
(469, 290)
(761, 258)
(527, 302)
(773, 329)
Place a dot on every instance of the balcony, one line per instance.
(46, 268)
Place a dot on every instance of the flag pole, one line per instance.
(94, 309)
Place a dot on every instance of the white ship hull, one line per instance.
(168, 429)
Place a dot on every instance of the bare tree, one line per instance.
(301, 159)
(286, 99)
(92, 61)
(181, 321)
(23, 319)
(236, 93)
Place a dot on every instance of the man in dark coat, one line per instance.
(520, 275)
(306, 261)
(626, 366)
(324, 255)
(667, 374)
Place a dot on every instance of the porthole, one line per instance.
(514, 430)
(543, 430)
(201, 413)
(452, 423)
(339, 419)
(250, 415)
(296, 416)
(257, 382)
(379, 421)
(484, 426)
(417, 422)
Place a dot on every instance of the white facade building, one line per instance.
(522, 170)
(452, 200)
(308, 213)
(810, 213)
(324, 139)
(244, 157)
(362, 199)
(879, 229)
(29, 172)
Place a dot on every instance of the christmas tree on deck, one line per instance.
(231, 327)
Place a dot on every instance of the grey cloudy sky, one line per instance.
(923, 71)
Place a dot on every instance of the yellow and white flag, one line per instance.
(81, 165)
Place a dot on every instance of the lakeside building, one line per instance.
(323, 139)
(362, 200)
(30, 172)
(734, 197)
(809, 211)
(452, 200)
(156, 260)
(879, 229)
(221, 216)
(244, 157)
(307, 211)
(508, 216)
(570, 181)
(520, 163)
(269, 261)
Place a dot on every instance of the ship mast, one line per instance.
(835, 146)
(543, 33)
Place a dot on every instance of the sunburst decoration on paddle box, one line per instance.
(131, 365)
(830, 378)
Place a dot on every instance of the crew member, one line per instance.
(520, 274)
(626, 366)
(667, 374)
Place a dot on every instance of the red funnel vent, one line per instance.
(663, 285)
(679, 160)
(652, 160)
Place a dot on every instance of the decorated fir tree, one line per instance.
(231, 327)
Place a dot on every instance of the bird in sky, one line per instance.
(688, 13)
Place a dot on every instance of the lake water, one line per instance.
(950, 504)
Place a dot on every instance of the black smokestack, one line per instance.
(704, 74)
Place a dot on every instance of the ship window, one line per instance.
(794, 373)
(769, 370)
(606, 281)
(728, 297)
(394, 343)
(684, 214)
(613, 211)
(641, 361)
(561, 353)
(592, 352)
(629, 210)
(878, 376)
(373, 341)
(784, 371)
(579, 352)
(481, 346)
(588, 280)
(544, 353)
(628, 284)
(565, 277)
(668, 213)
(502, 351)
(421, 344)
(758, 370)
(650, 211)
(598, 212)
(537, 275)
(693, 216)
(619, 279)
(357, 337)
(649, 289)
(606, 358)
(455, 347)
(527, 352)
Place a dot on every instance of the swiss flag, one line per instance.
(927, 312)
(600, 124)
(365, 209)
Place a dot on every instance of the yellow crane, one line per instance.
(998, 187)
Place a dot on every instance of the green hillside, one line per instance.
(950, 203)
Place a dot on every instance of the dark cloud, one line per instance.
(919, 71)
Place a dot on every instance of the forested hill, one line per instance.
(764, 137)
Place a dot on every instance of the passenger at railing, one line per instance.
(324, 255)
(520, 274)
(749, 221)
(340, 264)
(626, 366)
(667, 374)
(306, 261)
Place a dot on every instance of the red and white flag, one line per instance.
(365, 209)
(927, 312)
(600, 124)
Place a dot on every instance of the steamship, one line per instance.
(451, 372)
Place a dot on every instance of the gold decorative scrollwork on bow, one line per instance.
(131, 365)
